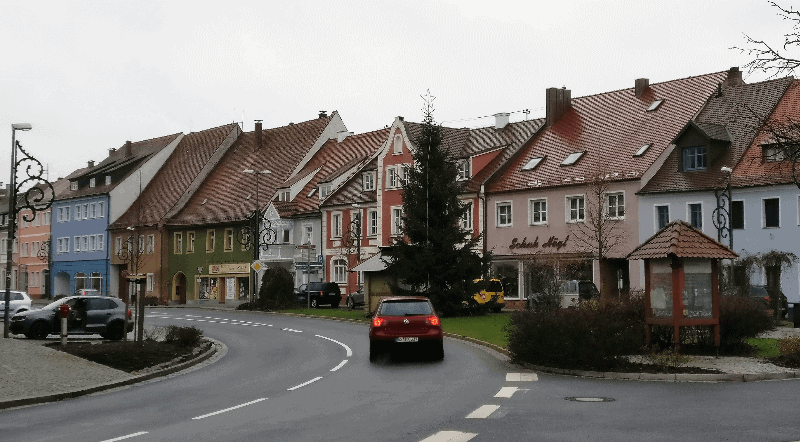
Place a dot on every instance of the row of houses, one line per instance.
(175, 209)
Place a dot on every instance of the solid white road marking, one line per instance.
(349, 352)
(292, 330)
(304, 384)
(126, 437)
(450, 436)
(341, 364)
(506, 392)
(229, 409)
(193, 316)
(521, 377)
(483, 412)
(211, 321)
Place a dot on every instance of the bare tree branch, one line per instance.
(773, 61)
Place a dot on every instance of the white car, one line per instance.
(20, 302)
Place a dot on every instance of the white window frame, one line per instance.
(227, 245)
(397, 145)
(73, 185)
(190, 241)
(108, 180)
(372, 221)
(150, 282)
(92, 243)
(764, 212)
(466, 221)
(464, 170)
(655, 215)
(702, 214)
(151, 244)
(568, 209)
(397, 219)
(497, 215)
(339, 270)
(63, 245)
(92, 182)
(78, 214)
(308, 233)
(177, 246)
(77, 244)
(101, 210)
(531, 218)
(391, 177)
(211, 240)
(368, 183)
(336, 224)
(607, 199)
(101, 239)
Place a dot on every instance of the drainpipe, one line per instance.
(482, 198)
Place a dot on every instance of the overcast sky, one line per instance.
(90, 75)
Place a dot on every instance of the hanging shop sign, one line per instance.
(552, 243)
(219, 269)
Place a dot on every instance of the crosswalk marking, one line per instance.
(506, 392)
(521, 377)
(449, 436)
(483, 412)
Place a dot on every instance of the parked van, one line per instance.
(490, 293)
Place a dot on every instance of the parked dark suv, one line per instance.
(320, 293)
(88, 315)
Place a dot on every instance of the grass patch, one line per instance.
(765, 347)
(487, 328)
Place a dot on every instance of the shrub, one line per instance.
(740, 319)
(788, 346)
(183, 336)
(590, 337)
(669, 358)
(277, 289)
(244, 306)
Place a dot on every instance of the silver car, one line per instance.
(88, 315)
(20, 302)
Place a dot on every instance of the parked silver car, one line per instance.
(20, 302)
(88, 315)
(355, 299)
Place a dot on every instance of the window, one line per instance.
(211, 240)
(530, 165)
(37, 220)
(466, 219)
(63, 245)
(140, 243)
(48, 217)
(150, 281)
(286, 237)
(655, 104)
(23, 250)
(91, 182)
(405, 174)
(85, 211)
(615, 205)
(771, 212)
(779, 153)
(575, 209)
(73, 185)
(78, 212)
(101, 210)
(118, 244)
(696, 215)
(108, 180)
(503, 214)
(77, 244)
(737, 214)
(372, 217)
(151, 244)
(340, 270)
(336, 225)
(92, 243)
(572, 158)
(397, 220)
(391, 177)
(694, 158)
(538, 215)
(308, 233)
(642, 150)
(178, 243)
(324, 190)
(228, 245)
(463, 170)
(369, 181)
(101, 240)
(398, 144)
(189, 242)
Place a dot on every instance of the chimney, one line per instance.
(90, 163)
(641, 86)
(323, 114)
(501, 120)
(400, 118)
(111, 152)
(557, 103)
(258, 133)
(734, 78)
(127, 150)
(342, 134)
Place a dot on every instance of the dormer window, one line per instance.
(774, 152)
(655, 105)
(463, 170)
(642, 150)
(91, 182)
(532, 163)
(108, 180)
(398, 144)
(285, 196)
(73, 185)
(572, 158)
(324, 191)
(369, 181)
(694, 158)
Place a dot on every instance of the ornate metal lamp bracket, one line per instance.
(722, 215)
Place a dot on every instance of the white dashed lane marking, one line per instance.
(349, 352)
(304, 384)
(450, 436)
(341, 364)
(229, 409)
(126, 437)
(521, 377)
(483, 412)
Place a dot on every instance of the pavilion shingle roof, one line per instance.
(196, 152)
(739, 110)
(683, 240)
(229, 195)
(610, 128)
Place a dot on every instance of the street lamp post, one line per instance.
(355, 235)
(252, 235)
(36, 198)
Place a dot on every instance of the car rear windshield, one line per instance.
(405, 308)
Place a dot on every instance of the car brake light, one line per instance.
(377, 322)
(432, 320)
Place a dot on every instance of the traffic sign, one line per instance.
(320, 259)
(257, 265)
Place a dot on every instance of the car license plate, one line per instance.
(408, 339)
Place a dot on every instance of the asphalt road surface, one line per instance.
(296, 379)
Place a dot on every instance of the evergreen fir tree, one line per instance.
(435, 256)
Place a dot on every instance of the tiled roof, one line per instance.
(610, 127)
(681, 239)
(190, 157)
(228, 194)
(351, 191)
(752, 170)
(116, 162)
(739, 110)
(332, 160)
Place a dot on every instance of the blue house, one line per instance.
(97, 195)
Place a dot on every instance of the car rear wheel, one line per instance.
(335, 304)
(115, 331)
(373, 351)
(438, 351)
(38, 330)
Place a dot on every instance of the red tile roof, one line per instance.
(192, 155)
(681, 239)
(734, 116)
(610, 128)
(752, 170)
(229, 195)
(351, 191)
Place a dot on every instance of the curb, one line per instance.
(34, 400)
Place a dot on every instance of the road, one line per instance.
(297, 379)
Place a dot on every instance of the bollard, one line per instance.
(64, 310)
